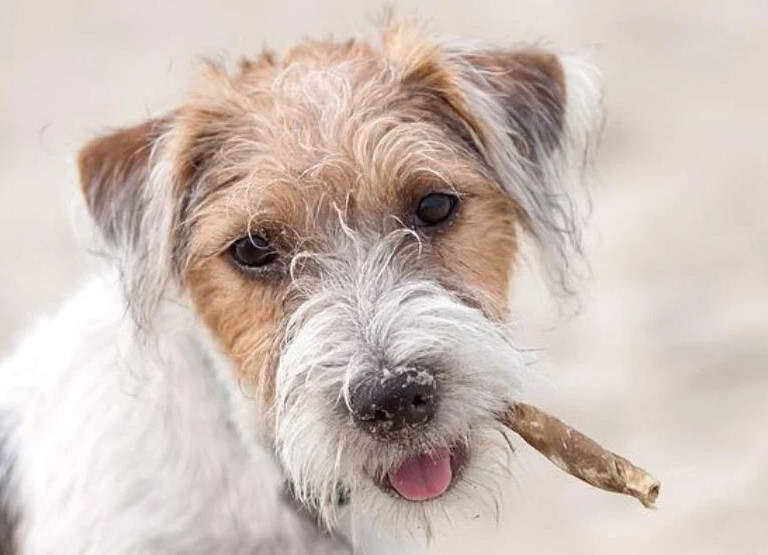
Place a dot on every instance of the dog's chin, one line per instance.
(422, 477)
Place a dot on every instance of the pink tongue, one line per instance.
(424, 476)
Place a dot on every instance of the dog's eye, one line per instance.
(253, 251)
(435, 208)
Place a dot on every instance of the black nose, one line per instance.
(393, 401)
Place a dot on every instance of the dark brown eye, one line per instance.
(253, 251)
(435, 208)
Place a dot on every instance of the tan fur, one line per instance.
(245, 318)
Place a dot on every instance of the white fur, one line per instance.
(123, 449)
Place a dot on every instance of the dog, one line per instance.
(299, 341)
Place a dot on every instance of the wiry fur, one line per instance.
(167, 406)
(371, 308)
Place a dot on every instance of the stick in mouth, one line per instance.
(578, 455)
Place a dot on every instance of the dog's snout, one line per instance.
(394, 401)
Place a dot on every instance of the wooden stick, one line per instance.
(578, 455)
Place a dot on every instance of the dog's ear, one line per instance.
(132, 204)
(114, 175)
(527, 88)
(534, 118)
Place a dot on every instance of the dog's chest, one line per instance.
(118, 452)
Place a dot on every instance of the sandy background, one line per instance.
(666, 363)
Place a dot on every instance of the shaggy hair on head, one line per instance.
(529, 117)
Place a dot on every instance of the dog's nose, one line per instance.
(394, 401)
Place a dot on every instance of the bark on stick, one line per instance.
(578, 455)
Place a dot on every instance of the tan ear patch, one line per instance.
(113, 169)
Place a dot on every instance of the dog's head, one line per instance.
(345, 222)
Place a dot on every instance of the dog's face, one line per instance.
(345, 222)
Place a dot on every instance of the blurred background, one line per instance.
(666, 363)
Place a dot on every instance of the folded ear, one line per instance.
(114, 171)
(132, 206)
(529, 90)
(536, 117)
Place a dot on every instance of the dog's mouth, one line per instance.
(426, 476)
